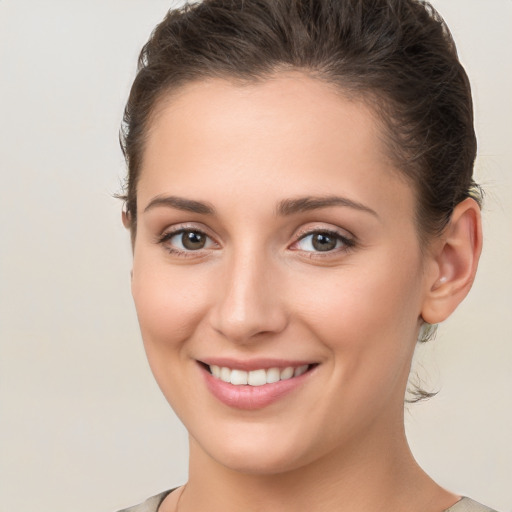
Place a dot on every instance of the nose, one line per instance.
(249, 301)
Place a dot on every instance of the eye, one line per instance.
(186, 240)
(322, 241)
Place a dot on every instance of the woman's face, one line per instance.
(274, 237)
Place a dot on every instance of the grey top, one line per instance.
(152, 504)
(468, 505)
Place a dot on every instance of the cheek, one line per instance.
(169, 303)
(169, 307)
(364, 301)
(368, 318)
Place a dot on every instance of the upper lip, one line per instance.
(253, 364)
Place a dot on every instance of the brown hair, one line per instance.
(396, 54)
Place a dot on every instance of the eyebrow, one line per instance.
(304, 204)
(180, 203)
(285, 207)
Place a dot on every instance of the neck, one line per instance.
(377, 474)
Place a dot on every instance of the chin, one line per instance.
(257, 462)
(257, 452)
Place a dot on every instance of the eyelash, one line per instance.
(347, 243)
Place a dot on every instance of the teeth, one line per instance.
(287, 373)
(238, 377)
(300, 370)
(256, 377)
(225, 374)
(273, 375)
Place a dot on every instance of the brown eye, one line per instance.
(323, 242)
(186, 240)
(193, 240)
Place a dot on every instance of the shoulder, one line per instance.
(150, 505)
(468, 505)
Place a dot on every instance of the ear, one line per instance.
(126, 219)
(453, 262)
(127, 223)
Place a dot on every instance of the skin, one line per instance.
(259, 288)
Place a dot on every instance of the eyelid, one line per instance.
(186, 226)
(312, 228)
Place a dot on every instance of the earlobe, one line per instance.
(454, 263)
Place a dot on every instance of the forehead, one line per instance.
(280, 137)
(278, 111)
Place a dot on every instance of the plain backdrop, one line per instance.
(83, 427)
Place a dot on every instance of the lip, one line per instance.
(252, 397)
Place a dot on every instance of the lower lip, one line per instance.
(251, 397)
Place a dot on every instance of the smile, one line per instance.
(256, 384)
(256, 377)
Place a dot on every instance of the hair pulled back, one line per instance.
(396, 54)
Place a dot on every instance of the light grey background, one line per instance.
(82, 425)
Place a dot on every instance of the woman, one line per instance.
(301, 205)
